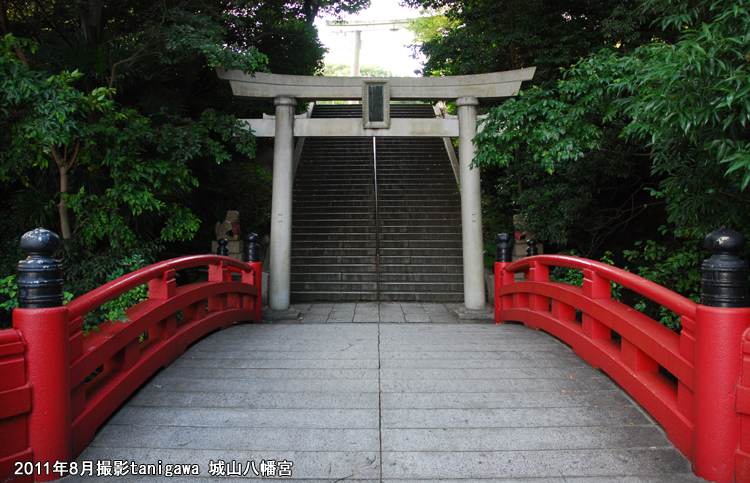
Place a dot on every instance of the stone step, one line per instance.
(418, 198)
(353, 223)
(436, 253)
(330, 215)
(306, 209)
(321, 286)
(456, 296)
(421, 287)
(418, 260)
(336, 230)
(392, 268)
(340, 267)
(314, 296)
(332, 260)
(384, 211)
(334, 251)
(417, 236)
(418, 244)
(417, 226)
(336, 277)
(448, 277)
(328, 236)
(318, 244)
(419, 215)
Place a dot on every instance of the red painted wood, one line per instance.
(718, 364)
(128, 363)
(55, 414)
(109, 390)
(645, 344)
(8, 465)
(114, 289)
(654, 339)
(661, 295)
(15, 405)
(46, 334)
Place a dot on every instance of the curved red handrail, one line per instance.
(110, 291)
(661, 295)
(126, 361)
(644, 344)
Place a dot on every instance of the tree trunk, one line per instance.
(7, 31)
(64, 166)
(90, 14)
(62, 207)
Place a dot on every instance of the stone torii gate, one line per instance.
(375, 94)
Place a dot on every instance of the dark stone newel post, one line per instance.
(724, 279)
(504, 248)
(223, 249)
(40, 279)
(532, 250)
(251, 250)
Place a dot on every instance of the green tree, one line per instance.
(344, 70)
(146, 70)
(683, 104)
(511, 34)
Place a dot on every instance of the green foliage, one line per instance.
(575, 277)
(431, 25)
(85, 271)
(502, 35)
(675, 265)
(9, 292)
(149, 172)
(675, 105)
(344, 70)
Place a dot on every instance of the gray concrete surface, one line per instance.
(406, 394)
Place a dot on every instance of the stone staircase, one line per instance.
(337, 233)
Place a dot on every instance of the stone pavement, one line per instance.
(383, 312)
(435, 400)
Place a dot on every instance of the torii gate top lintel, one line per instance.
(261, 85)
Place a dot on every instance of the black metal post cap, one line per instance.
(251, 252)
(532, 250)
(223, 249)
(724, 278)
(40, 278)
(504, 252)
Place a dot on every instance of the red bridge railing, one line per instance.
(49, 412)
(706, 358)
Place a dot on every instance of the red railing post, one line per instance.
(503, 257)
(721, 320)
(251, 256)
(595, 287)
(43, 323)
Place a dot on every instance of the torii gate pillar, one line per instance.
(471, 205)
(280, 270)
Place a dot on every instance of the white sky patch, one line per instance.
(383, 48)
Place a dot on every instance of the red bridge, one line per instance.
(48, 411)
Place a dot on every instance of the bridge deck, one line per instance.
(377, 401)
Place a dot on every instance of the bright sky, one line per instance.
(383, 48)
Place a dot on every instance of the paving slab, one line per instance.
(389, 400)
